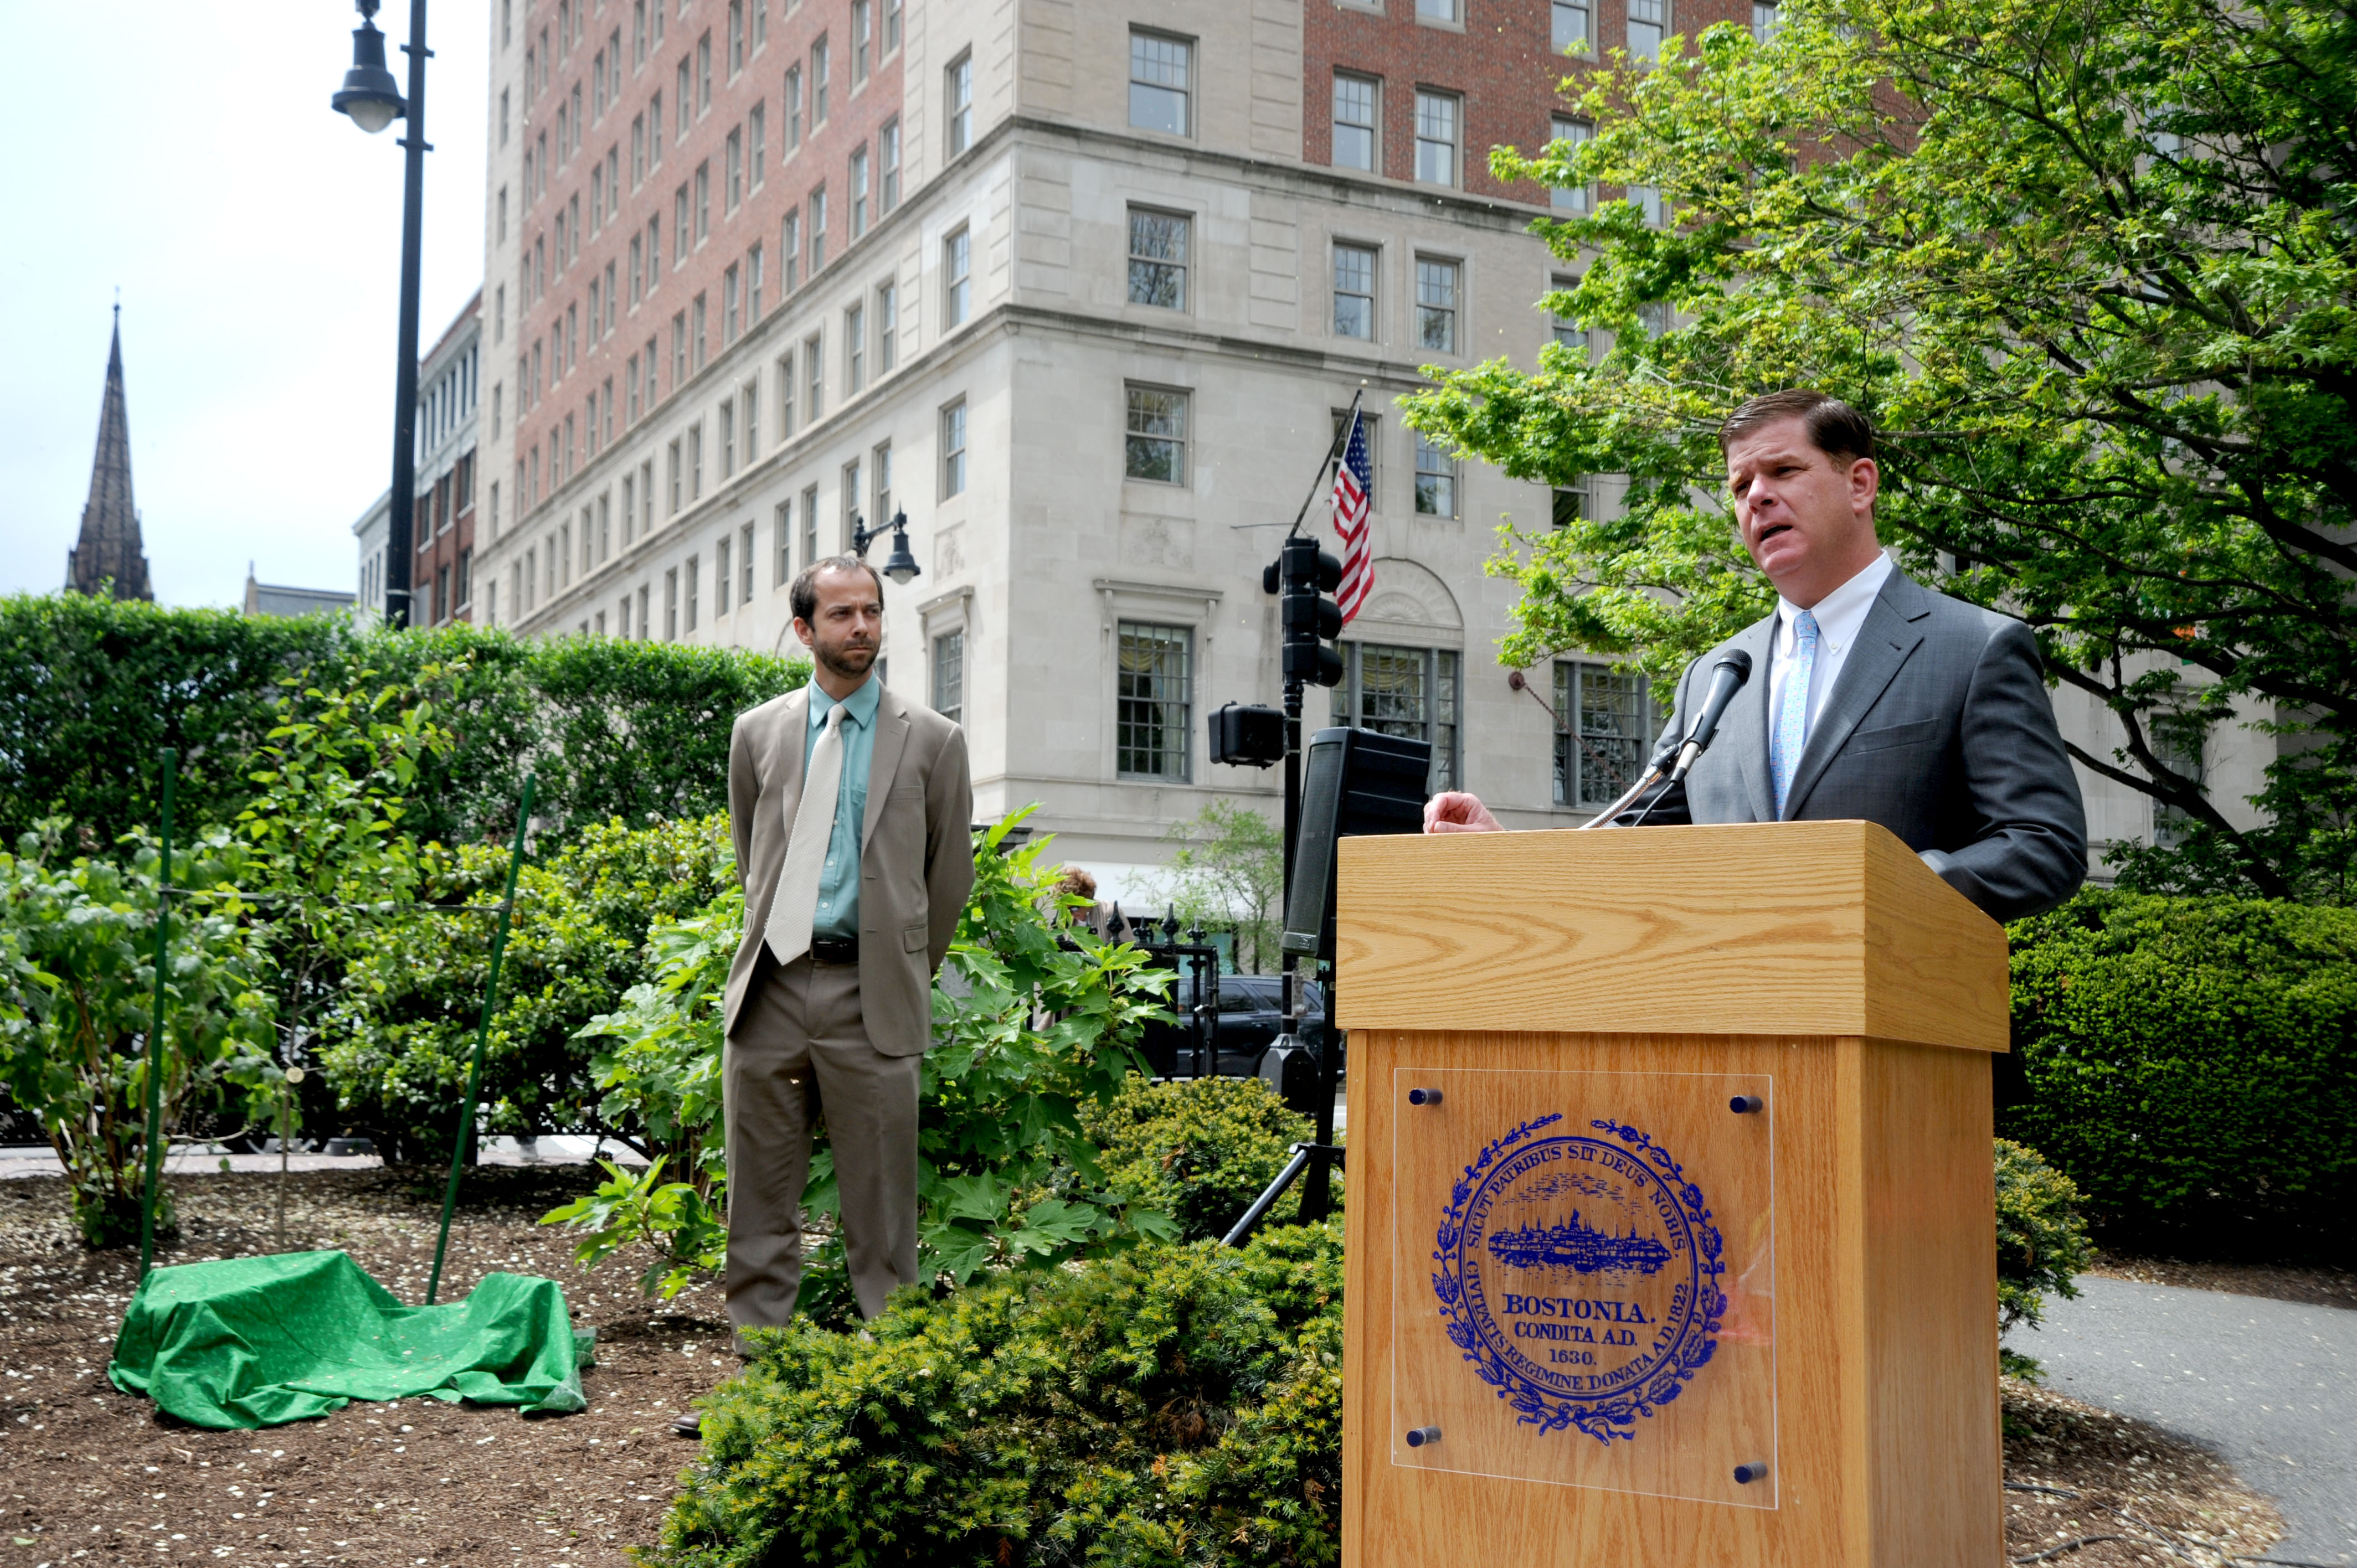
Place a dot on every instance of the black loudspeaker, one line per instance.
(1353, 781)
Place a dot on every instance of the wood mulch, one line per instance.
(2308, 1286)
(88, 1475)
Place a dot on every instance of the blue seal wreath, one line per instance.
(1613, 1414)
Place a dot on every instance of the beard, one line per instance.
(851, 658)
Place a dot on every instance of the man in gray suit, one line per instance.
(850, 807)
(1870, 696)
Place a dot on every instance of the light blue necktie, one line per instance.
(1792, 713)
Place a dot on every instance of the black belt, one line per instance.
(834, 949)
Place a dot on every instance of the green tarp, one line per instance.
(256, 1341)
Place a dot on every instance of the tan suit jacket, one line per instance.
(916, 853)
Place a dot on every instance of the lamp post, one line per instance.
(369, 96)
(900, 565)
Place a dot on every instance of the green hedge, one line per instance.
(1172, 1404)
(397, 1045)
(1199, 1149)
(2192, 1068)
(91, 688)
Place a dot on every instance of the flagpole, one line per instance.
(1342, 434)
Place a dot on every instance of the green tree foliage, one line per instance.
(2089, 267)
(1027, 1029)
(1228, 873)
(326, 862)
(89, 690)
(1197, 1149)
(2042, 1243)
(1170, 1405)
(77, 998)
(398, 1044)
(2192, 1066)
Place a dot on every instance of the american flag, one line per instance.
(1354, 478)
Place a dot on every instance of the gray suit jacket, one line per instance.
(916, 853)
(1939, 728)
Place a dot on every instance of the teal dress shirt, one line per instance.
(838, 880)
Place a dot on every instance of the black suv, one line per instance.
(1250, 1015)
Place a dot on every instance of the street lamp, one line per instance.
(370, 94)
(900, 565)
(370, 98)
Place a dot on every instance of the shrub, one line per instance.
(1199, 1149)
(2042, 1243)
(1170, 1404)
(2192, 1066)
(90, 689)
(77, 1000)
(399, 1043)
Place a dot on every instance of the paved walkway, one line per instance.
(197, 1159)
(2270, 1385)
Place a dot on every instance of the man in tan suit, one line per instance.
(850, 809)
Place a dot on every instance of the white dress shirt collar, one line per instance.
(1841, 616)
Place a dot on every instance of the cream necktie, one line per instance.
(795, 902)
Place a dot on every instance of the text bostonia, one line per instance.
(1573, 1307)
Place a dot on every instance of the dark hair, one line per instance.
(803, 596)
(1837, 429)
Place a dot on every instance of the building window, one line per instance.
(1157, 258)
(888, 327)
(786, 395)
(704, 74)
(699, 332)
(810, 524)
(736, 37)
(670, 605)
(1355, 123)
(727, 437)
(1153, 706)
(1648, 22)
(1436, 477)
(1436, 138)
(821, 63)
(953, 450)
(855, 349)
(887, 166)
(703, 201)
(1436, 304)
(1647, 200)
(782, 522)
(850, 497)
(862, 35)
(721, 576)
(1156, 447)
(1354, 291)
(1573, 134)
(1603, 727)
(751, 396)
(790, 246)
(958, 99)
(757, 134)
(949, 675)
(745, 565)
(730, 288)
(891, 25)
(1765, 14)
(793, 107)
(1411, 693)
(1435, 10)
(957, 277)
(1158, 72)
(858, 183)
(1566, 330)
(696, 462)
(1653, 317)
(753, 265)
(818, 230)
(732, 161)
(691, 596)
(1572, 20)
(814, 366)
(1571, 503)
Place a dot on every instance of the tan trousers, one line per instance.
(801, 1049)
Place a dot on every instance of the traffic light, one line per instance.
(1306, 574)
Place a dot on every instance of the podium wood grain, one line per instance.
(1508, 952)
(1773, 928)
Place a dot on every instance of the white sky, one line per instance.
(186, 153)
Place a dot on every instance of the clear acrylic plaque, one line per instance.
(1584, 1274)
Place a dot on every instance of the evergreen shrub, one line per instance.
(1199, 1149)
(2042, 1243)
(1169, 1404)
(2192, 1068)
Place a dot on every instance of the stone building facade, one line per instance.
(442, 576)
(1081, 288)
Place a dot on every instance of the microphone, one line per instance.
(1727, 678)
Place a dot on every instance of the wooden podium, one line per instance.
(1670, 1234)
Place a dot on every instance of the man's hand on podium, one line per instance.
(1455, 811)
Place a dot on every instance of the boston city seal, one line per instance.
(1579, 1273)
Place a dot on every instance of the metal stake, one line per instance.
(482, 1040)
(153, 1149)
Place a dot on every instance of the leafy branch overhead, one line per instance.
(2088, 267)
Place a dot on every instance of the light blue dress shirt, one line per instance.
(838, 880)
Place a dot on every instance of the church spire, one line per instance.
(109, 543)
